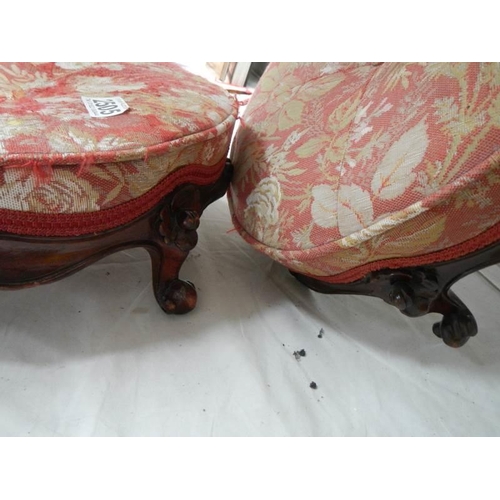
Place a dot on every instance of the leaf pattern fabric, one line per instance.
(374, 161)
(57, 159)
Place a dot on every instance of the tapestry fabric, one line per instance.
(58, 160)
(343, 168)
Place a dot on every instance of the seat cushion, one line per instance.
(343, 168)
(60, 166)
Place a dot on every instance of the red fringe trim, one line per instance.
(77, 224)
(488, 237)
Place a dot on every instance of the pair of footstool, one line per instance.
(368, 178)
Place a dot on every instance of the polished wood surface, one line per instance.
(416, 291)
(168, 232)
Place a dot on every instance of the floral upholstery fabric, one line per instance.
(344, 168)
(57, 159)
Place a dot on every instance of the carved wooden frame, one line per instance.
(416, 291)
(168, 232)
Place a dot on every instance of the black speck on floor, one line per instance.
(313, 385)
(299, 354)
(321, 332)
(107, 273)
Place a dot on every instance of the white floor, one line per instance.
(94, 355)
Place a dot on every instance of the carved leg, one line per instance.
(175, 236)
(420, 290)
(167, 231)
(458, 323)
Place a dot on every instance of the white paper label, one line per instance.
(102, 107)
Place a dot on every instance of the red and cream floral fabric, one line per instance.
(344, 168)
(57, 159)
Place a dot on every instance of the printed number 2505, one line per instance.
(106, 106)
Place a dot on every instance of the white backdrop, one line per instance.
(93, 355)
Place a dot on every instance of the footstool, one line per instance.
(96, 158)
(380, 179)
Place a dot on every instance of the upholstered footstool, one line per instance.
(375, 179)
(95, 158)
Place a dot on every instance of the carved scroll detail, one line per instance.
(416, 291)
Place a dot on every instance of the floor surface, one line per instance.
(93, 355)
